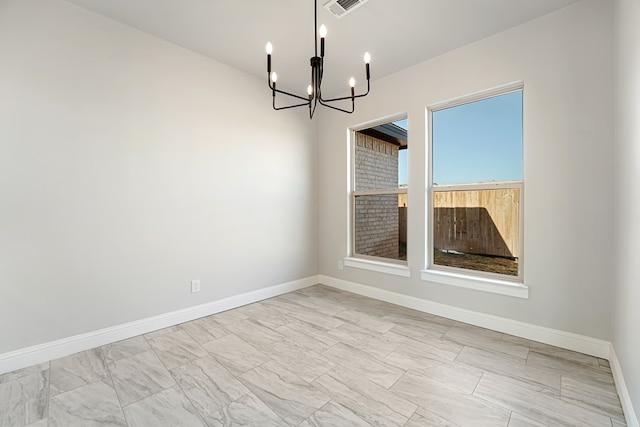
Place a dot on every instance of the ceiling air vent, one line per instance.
(340, 8)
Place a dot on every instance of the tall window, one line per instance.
(476, 186)
(379, 196)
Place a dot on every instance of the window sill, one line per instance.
(484, 284)
(381, 267)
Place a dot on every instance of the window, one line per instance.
(379, 192)
(475, 196)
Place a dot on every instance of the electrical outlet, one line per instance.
(340, 265)
(195, 286)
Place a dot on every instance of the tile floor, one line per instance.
(316, 357)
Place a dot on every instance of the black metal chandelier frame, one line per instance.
(314, 90)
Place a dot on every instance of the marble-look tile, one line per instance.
(285, 393)
(455, 375)
(536, 403)
(24, 400)
(321, 305)
(246, 411)
(448, 322)
(77, 370)
(365, 321)
(367, 400)
(204, 330)
(485, 339)
(508, 366)
(176, 349)
(166, 408)
(209, 386)
(439, 359)
(447, 403)
(305, 363)
(303, 314)
(235, 354)
(323, 291)
(95, 404)
(264, 314)
(334, 415)
(369, 306)
(230, 316)
(417, 332)
(403, 315)
(601, 398)
(363, 364)
(557, 352)
(254, 333)
(25, 372)
(569, 369)
(368, 341)
(424, 418)
(430, 347)
(139, 376)
(125, 348)
(518, 420)
(41, 423)
(309, 336)
(161, 332)
(416, 327)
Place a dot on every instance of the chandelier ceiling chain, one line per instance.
(314, 91)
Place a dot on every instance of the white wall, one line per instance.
(626, 315)
(128, 167)
(565, 61)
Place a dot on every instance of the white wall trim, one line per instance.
(568, 340)
(379, 266)
(60, 348)
(623, 391)
(477, 283)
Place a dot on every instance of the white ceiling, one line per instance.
(397, 33)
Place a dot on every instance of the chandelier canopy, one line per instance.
(314, 91)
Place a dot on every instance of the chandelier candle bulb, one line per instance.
(269, 51)
(367, 59)
(310, 92)
(352, 83)
(323, 34)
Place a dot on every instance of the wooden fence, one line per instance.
(485, 222)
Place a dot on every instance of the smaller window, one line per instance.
(477, 185)
(379, 191)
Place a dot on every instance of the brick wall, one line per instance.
(376, 217)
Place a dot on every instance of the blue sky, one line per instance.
(479, 142)
(403, 177)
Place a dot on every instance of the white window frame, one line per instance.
(365, 262)
(461, 277)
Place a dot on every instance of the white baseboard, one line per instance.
(623, 391)
(52, 350)
(567, 340)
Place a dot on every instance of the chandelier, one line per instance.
(314, 91)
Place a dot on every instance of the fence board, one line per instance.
(485, 222)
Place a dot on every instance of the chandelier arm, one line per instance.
(288, 106)
(293, 95)
(353, 107)
(362, 95)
